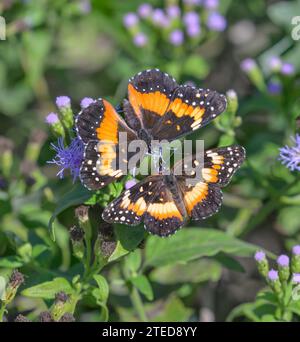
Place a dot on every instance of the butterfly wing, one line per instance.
(149, 201)
(99, 126)
(189, 109)
(149, 95)
(203, 198)
(158, 104)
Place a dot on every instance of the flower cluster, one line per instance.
(69, 148)
(276, 69)
(290, 155)
(175, 21)
(287, 272)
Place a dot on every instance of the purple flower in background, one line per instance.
(192, 2)
(51, 118)
(274, 88)
(130, 183)
(191, 18)
(69, 157)
(290, 155)
(273, 275)
(140, 39)
(176, 37)
(283, 260)
(85, 6)
(211, 4)
(85, 102)
(296, 277)
(216, 22)
(193, 30)
(159, 18)
(173, 11)
(63, 101)
(275, 63)
(144, 10)
(248, 64)
(287, 69)
(296, 250)
(130, 19)
(259, 256)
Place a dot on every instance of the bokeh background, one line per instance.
(89, 48)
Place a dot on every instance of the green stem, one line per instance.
(2, 311)
(138, 304)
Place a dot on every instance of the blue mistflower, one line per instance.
(290, 155)
(69, 157)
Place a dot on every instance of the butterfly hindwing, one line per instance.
(149, 201)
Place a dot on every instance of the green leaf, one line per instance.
(229, 262)
(281, 13)
(197, 271)
(76, 196)
(48, 289)
(128, 239)
(174, 311)
(196, 66)
(102, 294)
(11, 262)
(38, 250)
(133, 260)
(143, 285)
(190, 244)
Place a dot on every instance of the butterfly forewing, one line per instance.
(99, 127)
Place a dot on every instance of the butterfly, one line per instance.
(164, 203)
(157, 108)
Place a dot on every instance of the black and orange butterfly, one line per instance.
(157, 108)
(165, 202)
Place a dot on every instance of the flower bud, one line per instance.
(295, 265)
(55, 124)
(283, 262)
(250, 67)
(262, 263)
(82, 214)
(67, 317)
(16, 279)
(232, 101)
(64, 105)
(45, 316)
(22, 319)
(273, 281)
(76, 235)
(59, 307)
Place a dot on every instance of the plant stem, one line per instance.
(138, 304)
(2, 311)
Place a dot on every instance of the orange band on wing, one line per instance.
(108, 129)
(198, 193)
(161, 211)
(156, 102)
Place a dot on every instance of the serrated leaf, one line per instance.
(48, 289)
(142, 283)
(190, 244)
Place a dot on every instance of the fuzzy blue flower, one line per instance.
(68, 157)
(290, 155)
